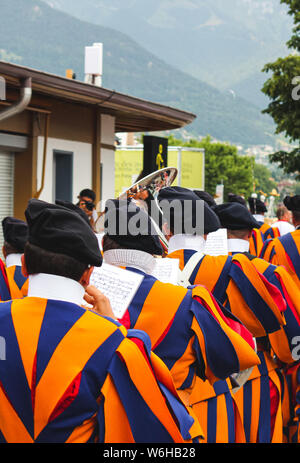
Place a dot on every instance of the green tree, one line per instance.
(263, 179)
(284, 91)
(223, 164)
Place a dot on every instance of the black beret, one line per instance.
(235, 216)
(88, 194)
(232, 198)
(15, 233)
(256, 206)
(292, 203)
(74, 208)
(62, 231)
(185, 217)
(131, 227)
(206, 197)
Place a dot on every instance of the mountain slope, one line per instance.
(35, 35)
(223, 43)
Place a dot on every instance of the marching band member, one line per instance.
(264, 231)
(189, 330)
(285, 250)
(15, 237)
(236, 283)
(71, 375)
(239, 222)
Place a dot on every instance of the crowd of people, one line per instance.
(214, 358)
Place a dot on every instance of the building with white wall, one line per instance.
(57, 136)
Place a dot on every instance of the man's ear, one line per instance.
(24, 268)
(85, 279)
(4, 252)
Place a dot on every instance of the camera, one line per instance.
(89, 205)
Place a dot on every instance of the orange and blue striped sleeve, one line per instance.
(256, 242)
(18, 284)
(4, 286)
(72, 369)
(227, 346)
(285, 251)
(145, 394)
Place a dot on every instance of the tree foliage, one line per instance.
(263, 179)
(223, 164)
(283, 88)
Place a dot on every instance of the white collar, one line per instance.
(259, 217)
(237, 245)
(139, 260)
(178, 242)
(55, 287)
(13, 259)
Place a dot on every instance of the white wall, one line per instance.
(82, 163)
(82, 166)
(108, 174)
(108, 157)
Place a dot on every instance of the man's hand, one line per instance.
(100, 303)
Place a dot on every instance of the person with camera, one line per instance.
(86, 202)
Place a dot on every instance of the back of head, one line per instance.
(281, 212)
(206, 197)
(185, 213)
(232, 198)
(129, 227)
(60, 242)
(293, 204)
(74, 208)
(15, 234)
(87, 193)
(235, 216)
(257, 206)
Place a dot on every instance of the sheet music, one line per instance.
(166, 270)
(118, 284)
(216, 243)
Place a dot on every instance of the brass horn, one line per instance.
(146, 190)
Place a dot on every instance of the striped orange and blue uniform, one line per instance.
(259, 236)
(72, 376)
(284, 251)
(190, 332)
(18, 284)
(236, 283)
(278, 276)
(4, 286)
(292, 375)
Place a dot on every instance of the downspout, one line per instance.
(46, 134)
(16, 108)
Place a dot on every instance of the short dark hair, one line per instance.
(9, 249)
(239, 234)
(281, 211)
(39, 260)
(88, 194)
(109, 243)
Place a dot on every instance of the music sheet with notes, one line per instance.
(166, 270)
(216, 243)
(118, 284)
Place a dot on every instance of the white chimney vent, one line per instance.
(93, 66)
